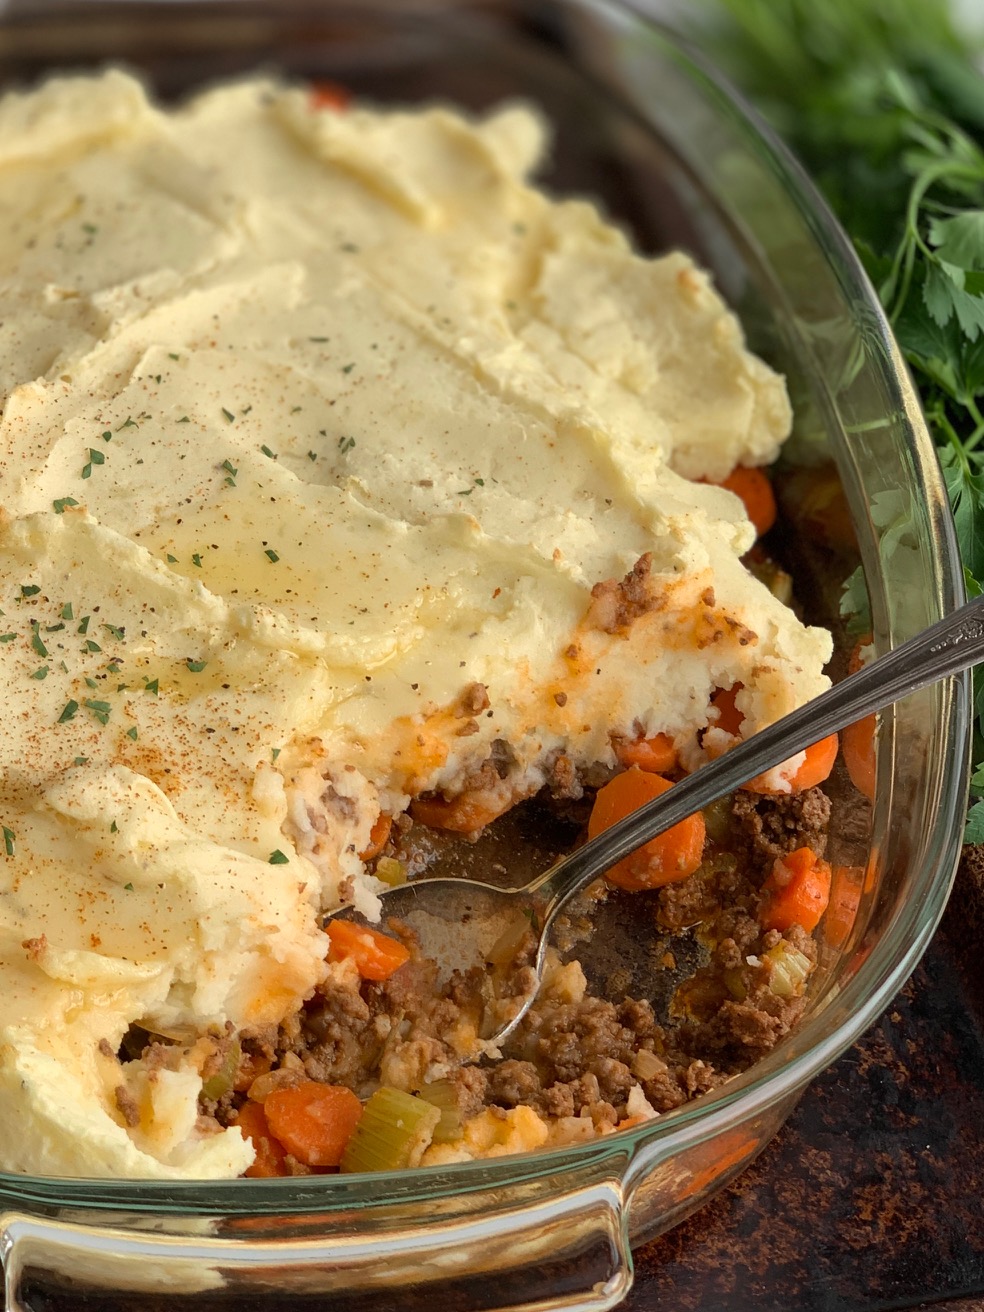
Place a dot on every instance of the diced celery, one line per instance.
(394, 1131)
(391, 871)
(444, 1097)
(717, 819)
(222, 1081)
(788, 970)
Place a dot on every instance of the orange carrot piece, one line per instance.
(858, 739)
(846, 883)
(314, 1121)
(378, 836)
(730, 719)
(816, 766)
(858, 746)
(270, 1159)
(797, 891)
(376, 956)
(666, 859)
(755, 491)
(464, 814)
(328, 95)
(656, 754)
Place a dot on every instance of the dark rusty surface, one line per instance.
(872, 1196)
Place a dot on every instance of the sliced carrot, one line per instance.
(842, 910)
(656, 754)
(464, 814)
(328, 95)
(797, 891)
(813, 769)
(314, 1121)
(670, 857)
(755, 491)
(858, 746)
(270, 1159)
(376, 956)
(729, 718)
(378, 836)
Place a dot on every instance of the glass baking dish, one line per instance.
(647, 127)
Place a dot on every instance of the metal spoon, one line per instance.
(460, 922)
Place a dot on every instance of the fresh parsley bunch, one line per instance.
(884, 104)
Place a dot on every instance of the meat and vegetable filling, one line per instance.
(369, 1075)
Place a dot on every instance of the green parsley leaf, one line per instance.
(267, 452)
(114, 828)
(41, 673)
(7, 637)
(151, 686)
(128, 888)
(69, 712)
(100, 709)
(277, 858)
(196, 667)
(228, 415)
(271, 554)
(9, 841)
(29, 589)
(132, 732)
(67, 612)
(62, 504)
(196, 560)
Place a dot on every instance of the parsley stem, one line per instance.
(978, 419)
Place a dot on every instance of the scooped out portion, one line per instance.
(351, 486)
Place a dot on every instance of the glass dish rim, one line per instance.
(814, 1044)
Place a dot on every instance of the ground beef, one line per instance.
(769, 826)
(616, 603)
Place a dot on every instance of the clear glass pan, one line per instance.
(647, 127)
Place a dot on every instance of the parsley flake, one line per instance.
(101, 710)
(171, 560)
(151, 686)
(92, 646)
(277, 858)
(128, 888)
(9, 841)
(267, 452)
(68, 713)
(275, 753)
(345, 444)
(66, 611)
(62, 504)
(228, 415)
(115, 631)
(196, 667)
(7, 637)
(132, 733)
(81, 760)
(196, 560)
(96, 456)
(41, 673)
(29, 589)
(38, 645)
(114, 828)
(271, 554)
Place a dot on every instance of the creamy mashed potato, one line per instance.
(319, 431)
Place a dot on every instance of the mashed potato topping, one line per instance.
(326, 443)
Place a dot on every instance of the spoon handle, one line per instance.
(947, 647)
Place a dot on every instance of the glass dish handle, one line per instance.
(566, 1251)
